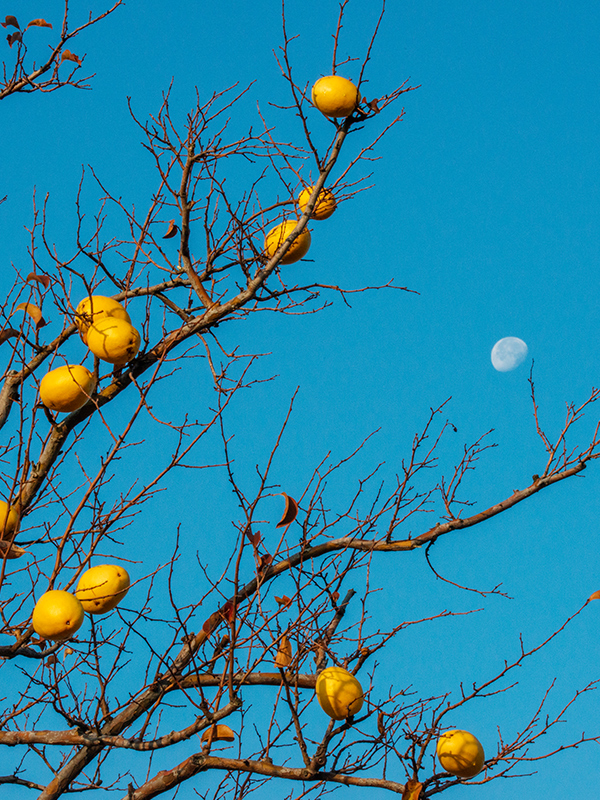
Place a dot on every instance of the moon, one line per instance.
(508, 353)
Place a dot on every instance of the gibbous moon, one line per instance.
(508, 353)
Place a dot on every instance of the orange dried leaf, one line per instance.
(67, 55)
(284, 654)
(283, 601)
(173, 230)
(290, 513)
(43, 279)
(39, 23)
(10, 20)
(412, 790)
(218, 733)
(595, 596)
(14, 37)
(7, 333)
(34, 312)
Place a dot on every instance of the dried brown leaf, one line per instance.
(67, 55)
(595, 596)
(43, 279)
(265, 561)
(39, 23)
(14, 37)
(283, 601)
(211, 623)
(173, 230)
(284, 654)
(412, 790)
(228, 612)
(255, 538)
(7, 333)
(8, 550)
(218, 733)
(34, 312)
(380, 725)
(10, 20)
(290, 513)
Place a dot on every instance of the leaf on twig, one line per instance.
(7, 333)
(373, 106)
(218, 733)
(595, 596)
(173, 230)
(67, 55)
(43, 279)
(34, 312)
(10, 20)
(412, 790)
(211, 623)
(39, 23)
(380, 725)
(228, 611)
(255, 538)
(283, 601)
(11, 550)
(265, 561)
(290, 513)
(284, 654)
(14, 37)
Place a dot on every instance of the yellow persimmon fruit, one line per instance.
(339, 693)
(9, 519)
(94, 308)
(460, 753)
(335, 96)
(102, 588)
(325, 205)
(57, 615)
(114, 340)
(67, 388)
(277, 236)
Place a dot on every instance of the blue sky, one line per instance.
(486, 203)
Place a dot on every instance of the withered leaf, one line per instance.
(373, 106)
(14, 37)
(173, 230)
(284, 654)
(412, 790)
(51, 660)
(8, 550)
(255, 538)
(43, 279)
(290, 513)
(211, 623)
(67, 55)
(265, 560)
(595, 596)
(39, 23)
(34, 312)
(228, 612)
(7, 333)
(283, 601)
(218, 733)
(10, 20)
(380, 725)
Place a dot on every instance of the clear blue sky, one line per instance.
(486, 202)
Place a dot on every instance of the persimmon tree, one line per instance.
(214, 688)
